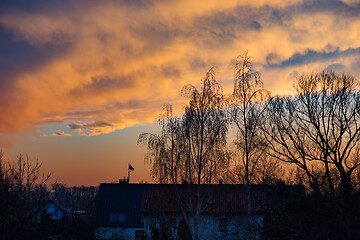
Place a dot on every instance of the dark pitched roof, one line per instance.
(51, 202)
(219, 199)
(123, 200)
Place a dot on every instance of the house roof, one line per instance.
(121, 199)
(122, 204)
(217, 199)
(52, 204)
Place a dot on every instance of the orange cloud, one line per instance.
(111, 65)
(61, 133)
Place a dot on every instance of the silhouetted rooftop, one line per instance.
(122, 204)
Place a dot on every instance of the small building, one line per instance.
(118, 211)
(54, 211)
(131, 211)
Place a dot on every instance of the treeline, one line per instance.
(310, 137)
(32, 208)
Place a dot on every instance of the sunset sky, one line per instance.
(80, 80)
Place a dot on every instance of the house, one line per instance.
(118, 211)
(131, 211)
(53, 211)
(223, 210)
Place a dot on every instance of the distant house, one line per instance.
(130, 211)
(54, 211)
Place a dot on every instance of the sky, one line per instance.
(80, 80)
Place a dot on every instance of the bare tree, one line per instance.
(318, 131)
(206, 128)
(167, 150)
(246, 111)
(191, 148)
(206, 123)
(23, 193)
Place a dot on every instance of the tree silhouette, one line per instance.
(246, 113)
(22, 194)
(318, 131)
(190, 148)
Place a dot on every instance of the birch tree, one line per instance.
(190, 148)
(246, 111)
(206, 129)
(167, 150)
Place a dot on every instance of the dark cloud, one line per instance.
(330, 6)
(337, 67)
(102, 110)
(356, 64)
(276, 17)
(197, 63)
(100, 84)
(156, 34)
(313, 56)
(137, 3)
(83, 113)
(272, 58)
(28, 6)
(49, 120)
(224, 27)
(130, 104)
(255, 25)
(18, 56)
(92, 128)
(220, 27)
(50, 5)
(170, 71)
(89, 125)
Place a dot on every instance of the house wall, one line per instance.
(159, 221)
(115, 233)
(54, 212)
(236, 226)
(209, 225)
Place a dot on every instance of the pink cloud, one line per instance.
(61, 133)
